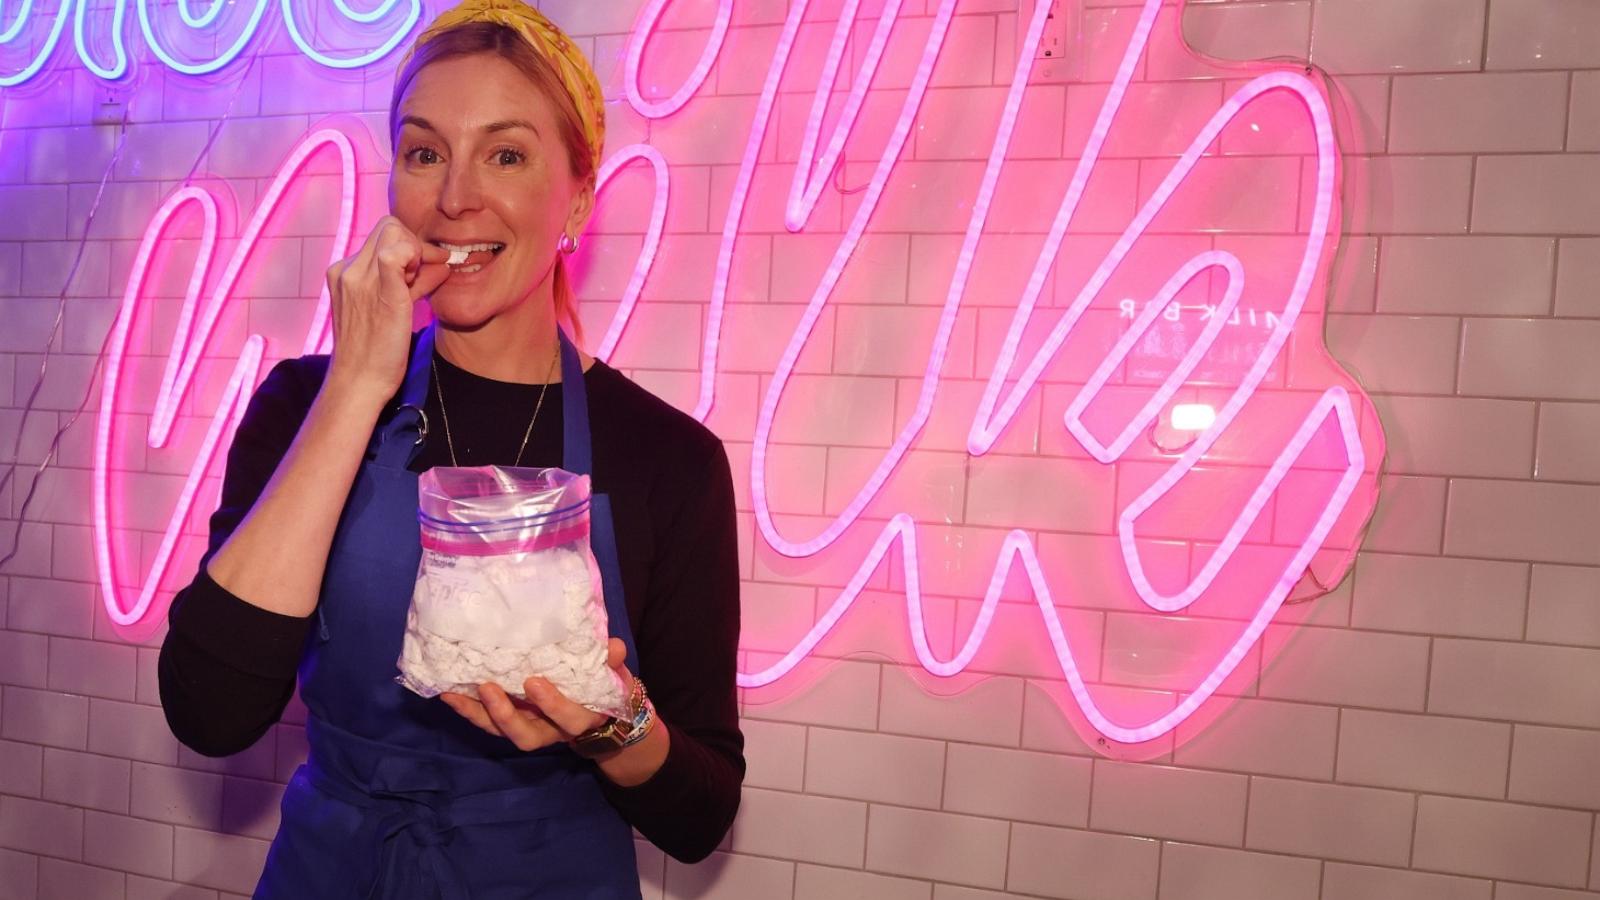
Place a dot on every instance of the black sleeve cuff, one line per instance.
(671, 788)
(249, 638)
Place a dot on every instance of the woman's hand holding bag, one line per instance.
(546, 718)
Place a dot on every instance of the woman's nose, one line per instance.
(462, 191)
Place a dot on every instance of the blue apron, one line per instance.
(401, 798)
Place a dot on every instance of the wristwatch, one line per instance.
(617, 732)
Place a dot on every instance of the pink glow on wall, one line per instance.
(188, 342)
(1302, 474)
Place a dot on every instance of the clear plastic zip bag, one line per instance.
(508, 588)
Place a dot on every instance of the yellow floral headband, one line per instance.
(548, 41)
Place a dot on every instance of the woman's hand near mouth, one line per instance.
(275, 558)
(371, 294)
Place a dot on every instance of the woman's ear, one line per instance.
(582, 207)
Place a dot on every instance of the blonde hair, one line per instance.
(473, 38)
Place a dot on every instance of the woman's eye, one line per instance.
(507, 157)
(424, 155)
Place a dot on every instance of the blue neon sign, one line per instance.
(401, 16)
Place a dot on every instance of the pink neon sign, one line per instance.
(197, 322)
(188, 342)
(805, 189)
(1299, 447)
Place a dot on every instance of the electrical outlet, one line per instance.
(110, 107)
(1053, 43)
(1059, 57)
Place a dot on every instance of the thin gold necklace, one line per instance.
(525, 435)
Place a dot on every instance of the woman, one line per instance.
(497, 124)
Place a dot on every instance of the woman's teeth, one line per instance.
(459, 253)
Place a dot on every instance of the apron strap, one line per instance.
(396, 446)
(603, 543)
(400, 439)
(576, 455)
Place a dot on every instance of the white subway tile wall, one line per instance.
(1430, 731)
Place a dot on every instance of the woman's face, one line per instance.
(479, 164)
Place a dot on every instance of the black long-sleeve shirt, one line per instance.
(227, 667)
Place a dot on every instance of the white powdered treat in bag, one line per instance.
(508, 588)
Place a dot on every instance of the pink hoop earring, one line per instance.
(568, 244)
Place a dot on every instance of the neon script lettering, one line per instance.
(1303, 482)
(197, 323)
(995, 413)
(390, 21)
(195, 326)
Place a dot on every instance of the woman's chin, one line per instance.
(460, 309)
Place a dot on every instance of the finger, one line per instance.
(392, 231)
(362, 268)
(428, 278)
(617, 654)
(525, 729)
(375, 238)
(568, 716)
(393, 260)
(334, 271)
(420, 255)
(433, 253)
(472, 711)
(399, 246)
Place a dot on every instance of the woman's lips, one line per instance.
(466, 259)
